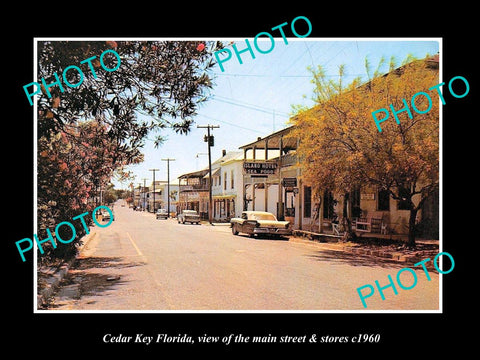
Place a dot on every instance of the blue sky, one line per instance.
(255, 98)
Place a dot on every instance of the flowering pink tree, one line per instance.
(88, 133)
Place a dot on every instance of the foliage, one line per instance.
(90, 133)
(341, 147)
(164, 80)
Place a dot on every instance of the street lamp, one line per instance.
(168, 184)
(196, 161)
(153, 187)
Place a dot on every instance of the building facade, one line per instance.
(161, 195)
(272, 181)
(227, 182)
(193, 193)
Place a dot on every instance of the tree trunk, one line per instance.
(411, 229)
(349, 235)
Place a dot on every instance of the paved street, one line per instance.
(140, 263)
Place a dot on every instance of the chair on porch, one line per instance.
(337, 229)
(373, 222)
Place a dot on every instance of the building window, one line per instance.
(355, 195)
(232, 183)
(307, 201)
(225, 181)
(383, 200)
(403, 204)
(328, 205)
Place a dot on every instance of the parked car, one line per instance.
(162, 213)
(106, 215)
(259, 223)
(190, 216)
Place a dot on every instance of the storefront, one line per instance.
(193, 193)
(224, 207)
(269, 165)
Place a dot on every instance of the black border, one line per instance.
(401, 333)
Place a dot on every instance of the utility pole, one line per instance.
(139, 193)
(153, 187)
(144, 196)
(168, 184)
(209, 140)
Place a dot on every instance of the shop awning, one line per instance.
(220, 197)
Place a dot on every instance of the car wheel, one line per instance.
(234, 230)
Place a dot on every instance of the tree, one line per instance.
(341, 147)
(165, 80)
(89, 133)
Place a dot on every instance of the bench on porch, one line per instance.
(373, 223)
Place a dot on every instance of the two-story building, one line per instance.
(272, 181)
(193, 192)
(227, 183)
(271, 175)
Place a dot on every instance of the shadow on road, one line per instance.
(264, 237)
(90, 276)
(104, 262)
(342, 257)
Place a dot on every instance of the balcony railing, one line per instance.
(198, 187)
(289, 159)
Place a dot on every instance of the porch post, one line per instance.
(280, 212)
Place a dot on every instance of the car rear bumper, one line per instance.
(272, 231)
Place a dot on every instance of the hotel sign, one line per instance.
(260, 168)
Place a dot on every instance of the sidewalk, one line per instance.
(394, 252)
(49, 277)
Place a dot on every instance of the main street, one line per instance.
(140, 263)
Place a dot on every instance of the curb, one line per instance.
(56, 275)
(52, 282)
(396, 256)
(399, 257)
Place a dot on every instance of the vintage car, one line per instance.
(190, 216)
(259, 223)
(106, 215)
(162, 213)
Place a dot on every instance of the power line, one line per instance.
(251, 107)
(249, 104)
(226, 122)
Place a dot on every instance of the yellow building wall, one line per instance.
(396, 219)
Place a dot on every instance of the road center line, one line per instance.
(134, 245)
